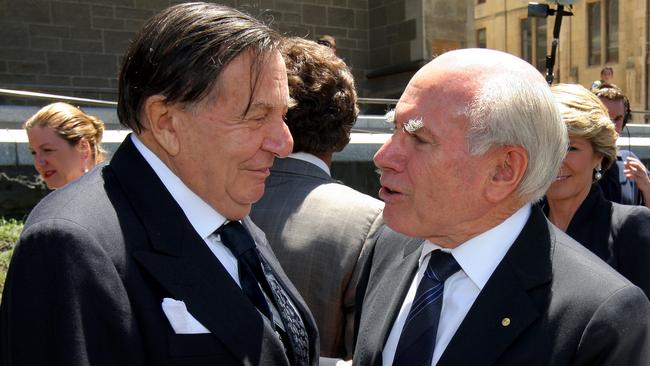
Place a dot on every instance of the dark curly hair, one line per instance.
(323, 105)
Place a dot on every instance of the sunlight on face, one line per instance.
(55, 159)
(232, 137)
(576, 173)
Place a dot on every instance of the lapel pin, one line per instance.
(505, 322)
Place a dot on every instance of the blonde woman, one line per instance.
(65, 143)
(618, 234)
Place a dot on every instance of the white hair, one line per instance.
(520, 111)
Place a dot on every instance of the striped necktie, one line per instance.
(418, 338)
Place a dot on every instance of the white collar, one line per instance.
(199, 213)
(311, 159)
(480, 256)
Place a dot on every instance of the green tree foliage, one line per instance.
(9, 231)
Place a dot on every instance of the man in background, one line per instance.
(152, 259)
(606, 76)
(318, 227)
(627, 180)
(327, 41)
(468, 271)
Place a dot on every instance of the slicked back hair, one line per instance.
(181, 52)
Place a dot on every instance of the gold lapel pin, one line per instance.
(505, 322)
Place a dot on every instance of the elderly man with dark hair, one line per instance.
(318, 228)
(468, 270)
(151, 259)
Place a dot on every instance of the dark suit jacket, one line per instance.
(93, 265)
(616, 186)
(618, 234)
(566, 306)
(318, 229)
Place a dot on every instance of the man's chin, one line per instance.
(394, 220)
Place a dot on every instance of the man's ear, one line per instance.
(159, 119)
(509, 165)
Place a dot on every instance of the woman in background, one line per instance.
(618, 234)
(65, 143)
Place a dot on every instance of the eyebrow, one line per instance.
(264, 105)
(413, 125)
(257, 106)
(390, 117)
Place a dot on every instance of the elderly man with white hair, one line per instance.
(469, 271)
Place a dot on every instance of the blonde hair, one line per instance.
(72, 125)
(585, 116)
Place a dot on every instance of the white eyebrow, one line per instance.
(412, 125)
(390, 116)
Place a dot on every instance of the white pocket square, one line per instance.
(181, 320)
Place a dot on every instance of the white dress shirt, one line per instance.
(311, 159)
(478, 258)
(203, 218)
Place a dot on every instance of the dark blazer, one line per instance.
(318, 229)
(618, 234)
(616, 186)
(566, 306)
(94, 263)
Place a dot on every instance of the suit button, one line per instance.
(505, 322)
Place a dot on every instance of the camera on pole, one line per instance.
(537, 10)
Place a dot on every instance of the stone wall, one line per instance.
(405, 34)
(75, 47)
(502, 22)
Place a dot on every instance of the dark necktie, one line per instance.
(418, 338)
(255, 272)
(235, 237)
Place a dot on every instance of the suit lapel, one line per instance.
(393, 279)
(505, 307)
(182, 263)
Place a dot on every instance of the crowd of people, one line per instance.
(511, 229)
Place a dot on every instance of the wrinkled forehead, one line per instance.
(241, 79)
(440, 91)
(454, 79)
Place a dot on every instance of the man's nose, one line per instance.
(279, 140)
(391, 155)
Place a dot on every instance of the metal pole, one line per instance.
(550, 60)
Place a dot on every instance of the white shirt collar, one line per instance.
(200, 214)
(480, 256)
(311, 159)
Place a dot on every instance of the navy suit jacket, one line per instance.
(94, 262)
(565, 305)
(617, 234)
